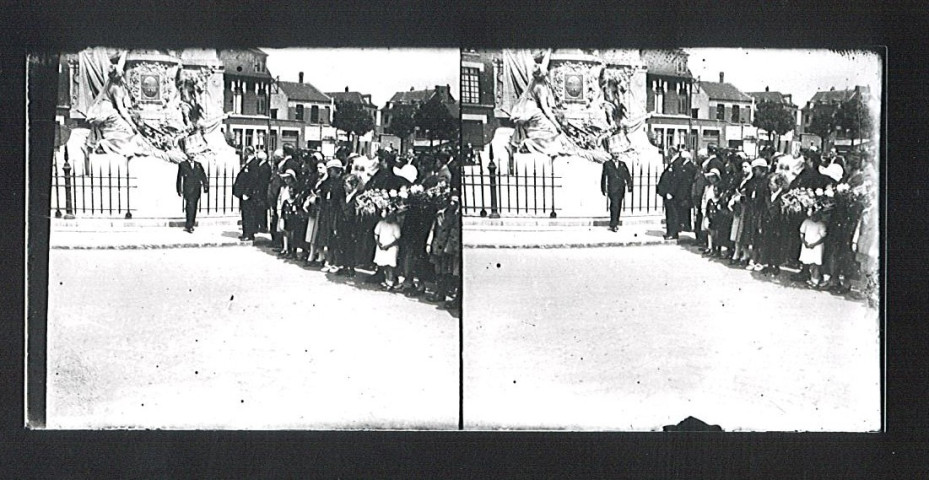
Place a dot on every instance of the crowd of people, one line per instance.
(397, 216)
(815, 213)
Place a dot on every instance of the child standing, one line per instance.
(813, 234)
(387, 237)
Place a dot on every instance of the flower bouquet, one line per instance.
(421, 197)
(375, 202)
(859, 196)
(808, 201)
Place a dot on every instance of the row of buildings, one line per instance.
(684, 110)
(265, 112)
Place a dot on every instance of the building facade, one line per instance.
(312, 110)
(827, 103)
(412, 100)
(478, 122)
(724, 116)
(669, 99)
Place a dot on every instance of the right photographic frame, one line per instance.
(673, 239)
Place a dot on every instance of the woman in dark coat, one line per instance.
(330, 202)
(773, 226)
(755, 194)
(348, 226)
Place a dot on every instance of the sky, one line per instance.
(378, 71)
(798, 72)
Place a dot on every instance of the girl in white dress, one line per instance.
(387, 236)
(813, 234)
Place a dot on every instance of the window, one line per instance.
(659, 87)
(721, 112)
(470, 86)
(747, 111)
(274, 113)
(237, 97)
(735, 114)
(314, 114)
(262, 101)
(326, 116)
(694, 113)
(299, 112)
(681, 105)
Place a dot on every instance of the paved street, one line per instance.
(635, 338)
(236, 338)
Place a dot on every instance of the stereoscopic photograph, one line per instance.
(254, 239)
(681, 239)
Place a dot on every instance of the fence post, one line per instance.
(69, 206)
(56, 186)
(492, 168)
(480, 170)
(553, 214)
(128, 189)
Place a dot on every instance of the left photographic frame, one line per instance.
(244, 239)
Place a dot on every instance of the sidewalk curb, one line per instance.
(158, 246)
(629, 243)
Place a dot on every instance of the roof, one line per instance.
(303, 92)
(672, 63)
(724, 91)
(412, 96)
(774, 97)
(354, 97)
(830, 96)
(241, 62)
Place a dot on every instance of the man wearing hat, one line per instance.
(614, 182)
(190, 179)
(261, 180)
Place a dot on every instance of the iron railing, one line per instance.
(104, 191)
(219, 200)
(536, 191)
(529, 191)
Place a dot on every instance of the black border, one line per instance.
(56, 26)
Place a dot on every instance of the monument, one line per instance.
(575, 110)
(144, 111)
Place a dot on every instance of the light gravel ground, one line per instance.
(635, 338)
(235, 338)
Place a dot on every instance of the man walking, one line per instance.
(190, 179)
(614, 182)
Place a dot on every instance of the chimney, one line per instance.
(346, 89)
(722, 77)
(411, 89)
(300, 77)
(767, 89)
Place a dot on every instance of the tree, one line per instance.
(824, 123)
(434, 118)
(352, 118)
(401, 122)
(854, 117)
(774, 118)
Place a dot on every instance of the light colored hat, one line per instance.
(262, 155)
(279, 153)
(289, 173)
(334, 163)
(759, 163)
(713, 171)
(685, 154)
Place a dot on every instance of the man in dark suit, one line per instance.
(614, 182)
(190, 179)
(262, 179)
(249, 196)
